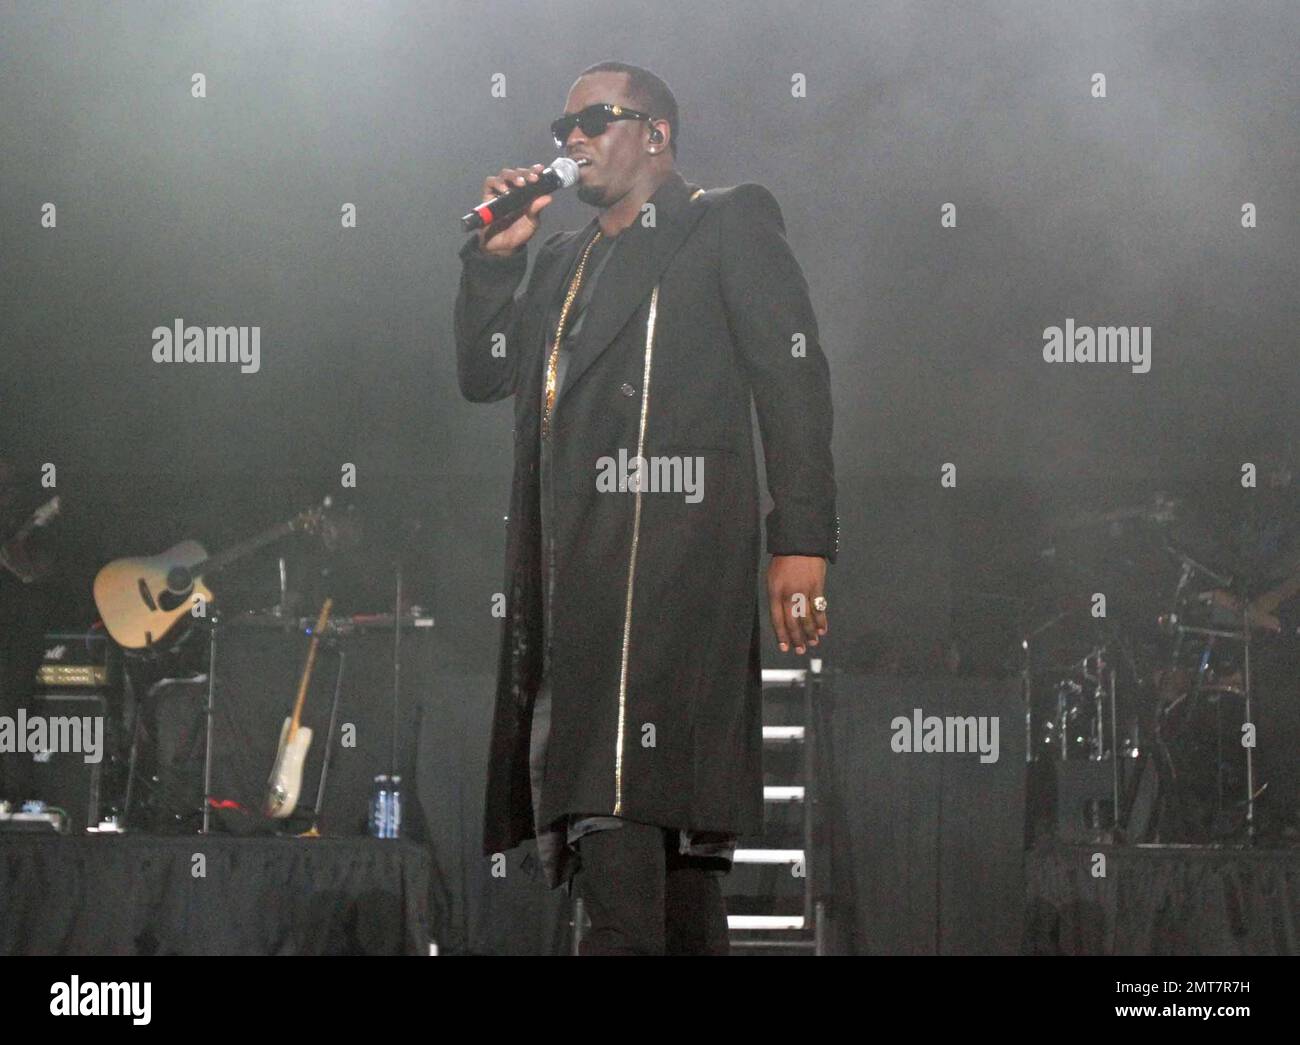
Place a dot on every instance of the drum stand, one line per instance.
(1104, 691)
(1178, 629)
(1248, 713)
(1097, 688)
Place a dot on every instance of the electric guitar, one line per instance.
(141, 600)
(286, 775)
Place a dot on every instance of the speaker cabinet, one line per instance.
(63, 778)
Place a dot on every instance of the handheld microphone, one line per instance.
(561, 174)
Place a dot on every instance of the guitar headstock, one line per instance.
(338, 527)
(46, 512)
(312, 519)
(342, 529)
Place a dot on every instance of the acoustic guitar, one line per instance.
(142, 600)
(285, 783)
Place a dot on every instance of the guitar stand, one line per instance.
(214, 627)
(336, 642)
(209, 720)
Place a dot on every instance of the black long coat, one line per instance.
(655, 657)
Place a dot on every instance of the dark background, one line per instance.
(226, 211)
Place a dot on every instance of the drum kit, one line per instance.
(1138, 679)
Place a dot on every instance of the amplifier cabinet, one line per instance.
(66, 779)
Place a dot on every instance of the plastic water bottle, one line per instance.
(395, 809)
(380, 803)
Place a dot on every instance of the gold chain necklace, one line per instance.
(552, 365)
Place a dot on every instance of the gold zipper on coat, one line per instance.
(631, 563)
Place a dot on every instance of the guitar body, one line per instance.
(142, 600)
(285, 784)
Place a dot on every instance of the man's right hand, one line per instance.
(509, 234)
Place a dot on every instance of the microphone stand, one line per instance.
(397, 664)
(214, 625)
(398, 621)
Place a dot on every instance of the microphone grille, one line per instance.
(567, 170)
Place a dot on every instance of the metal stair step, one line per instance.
(767, 856)
(764, 922)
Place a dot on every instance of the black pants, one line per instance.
(644, 897)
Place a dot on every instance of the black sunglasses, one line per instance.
(593, 120)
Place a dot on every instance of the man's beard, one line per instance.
(592, 195)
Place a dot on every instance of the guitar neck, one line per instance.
(244, 548)
(40, 517)
(311, 663)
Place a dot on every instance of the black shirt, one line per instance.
(600, 254)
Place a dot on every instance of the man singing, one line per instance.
(627, 733)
